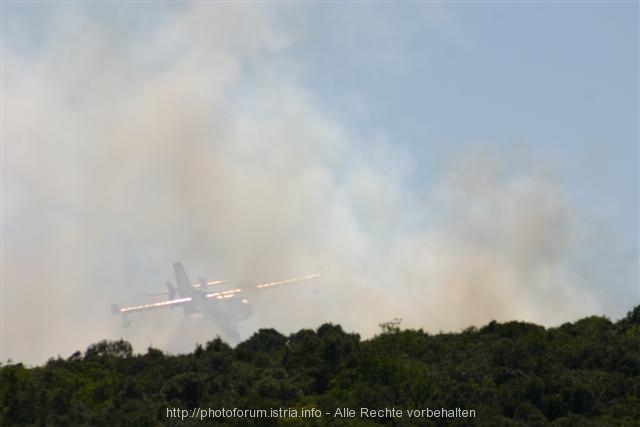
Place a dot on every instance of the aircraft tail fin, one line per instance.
(184, 286)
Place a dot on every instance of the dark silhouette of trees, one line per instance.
(512, 374)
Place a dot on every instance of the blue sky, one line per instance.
(476, 160)
(560, 78)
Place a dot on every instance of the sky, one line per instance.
(443, 163)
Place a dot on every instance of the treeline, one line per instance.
(585, 373)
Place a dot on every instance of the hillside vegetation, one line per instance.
(585, 373)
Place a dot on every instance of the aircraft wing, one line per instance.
(116, 309)
(234, 292)
(193, 285)
(287, 281)
(224, 294)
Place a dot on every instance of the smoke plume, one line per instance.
(192, 139)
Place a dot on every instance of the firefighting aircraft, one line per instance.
(226, 306)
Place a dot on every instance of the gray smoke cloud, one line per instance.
(192, 140)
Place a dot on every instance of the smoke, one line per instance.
(190, 138)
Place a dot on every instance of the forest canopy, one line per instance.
(511, 374)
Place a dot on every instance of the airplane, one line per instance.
(226, 306)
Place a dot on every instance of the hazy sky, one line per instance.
(445, 163)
